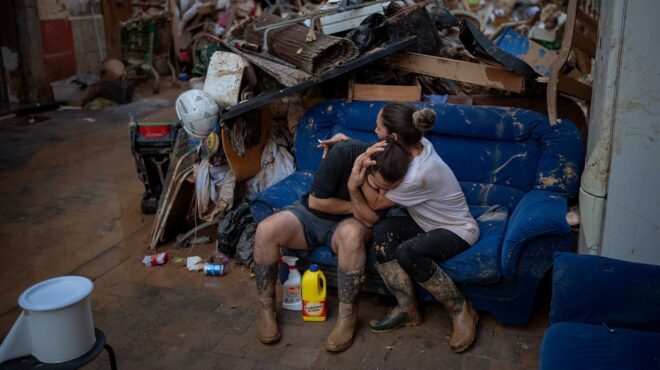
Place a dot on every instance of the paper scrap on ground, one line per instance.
(194, 263)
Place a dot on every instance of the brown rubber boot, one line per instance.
(400, 285)
(463, 317)
(349, 285)
(266, 278)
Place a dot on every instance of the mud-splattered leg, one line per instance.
(280, 229)
(349, 243)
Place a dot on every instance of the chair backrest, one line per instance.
(497, 154)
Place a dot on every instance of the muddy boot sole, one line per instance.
(401, 325)
(467, 344)
(272, 340)
(341, 348)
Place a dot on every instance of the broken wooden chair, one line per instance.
(574, 39)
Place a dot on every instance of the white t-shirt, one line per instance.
(433, 197)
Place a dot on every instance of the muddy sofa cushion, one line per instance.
(580, 346)
(478, 264)
(508, 147)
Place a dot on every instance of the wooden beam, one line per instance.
(585, 44)
(386, 92)
(573, 87)
(457, 70)
(551, 91)
(588, 21)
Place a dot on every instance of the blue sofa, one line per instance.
(515, 169)
(605, 314)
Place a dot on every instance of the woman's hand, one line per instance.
(327, 144)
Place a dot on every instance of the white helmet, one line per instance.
(198, 112)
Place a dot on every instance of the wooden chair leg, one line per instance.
(551, 91)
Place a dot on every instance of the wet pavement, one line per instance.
(70, 204)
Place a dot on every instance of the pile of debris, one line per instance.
(260, 67)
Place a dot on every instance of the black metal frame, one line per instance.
(30, 362)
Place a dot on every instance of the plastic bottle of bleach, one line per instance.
(313, 295)
(292, 286)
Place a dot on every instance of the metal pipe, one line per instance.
(319, 13)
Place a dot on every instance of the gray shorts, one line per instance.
(318, 231)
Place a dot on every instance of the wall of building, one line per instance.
(73, 37)
(632, 220)
(622, 176)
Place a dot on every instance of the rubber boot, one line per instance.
(463, 317)
(266, 278)
(349, 285)
(400, 285)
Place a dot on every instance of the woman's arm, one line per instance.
(376, 199)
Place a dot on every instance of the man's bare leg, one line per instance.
(348, 242)
(278, 230)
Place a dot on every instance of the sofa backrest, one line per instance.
(497, 154)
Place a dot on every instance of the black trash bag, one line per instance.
(231, 228)
(370, 33)
(443, 18)
(245, 246)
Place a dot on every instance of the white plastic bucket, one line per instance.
(56, 324)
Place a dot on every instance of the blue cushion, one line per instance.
(539, 213)
(599, 290)
(584, 346)
(478, 194)
(504, 146)
(286, 192)
(480, 263)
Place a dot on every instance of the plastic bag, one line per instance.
(276, 164)
(231, 228)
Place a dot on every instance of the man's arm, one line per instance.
(361, 209)
(334, 206)
(376, 199)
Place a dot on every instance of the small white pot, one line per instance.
(56, 324)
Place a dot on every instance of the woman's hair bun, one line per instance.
(424, 119)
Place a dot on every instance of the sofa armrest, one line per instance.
(539, 213)
(280, 195)
(605, 291)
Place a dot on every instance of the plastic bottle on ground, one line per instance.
(314, 295)
(292, 286)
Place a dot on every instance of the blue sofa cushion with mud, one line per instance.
(508, 161)
(580, 346)
(605, 314)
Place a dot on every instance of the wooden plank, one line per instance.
(574, 88)
(551, 91)
(585, 44)
(115, 12)
(586, 20)
(386, 92)
(478, 74)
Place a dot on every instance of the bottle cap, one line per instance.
(313, 268)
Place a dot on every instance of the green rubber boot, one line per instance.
(401, 286)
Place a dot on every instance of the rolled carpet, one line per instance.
(289, 44)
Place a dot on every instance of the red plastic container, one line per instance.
(153, 130)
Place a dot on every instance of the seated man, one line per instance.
(325, 217)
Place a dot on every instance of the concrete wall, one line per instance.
(73, 38)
